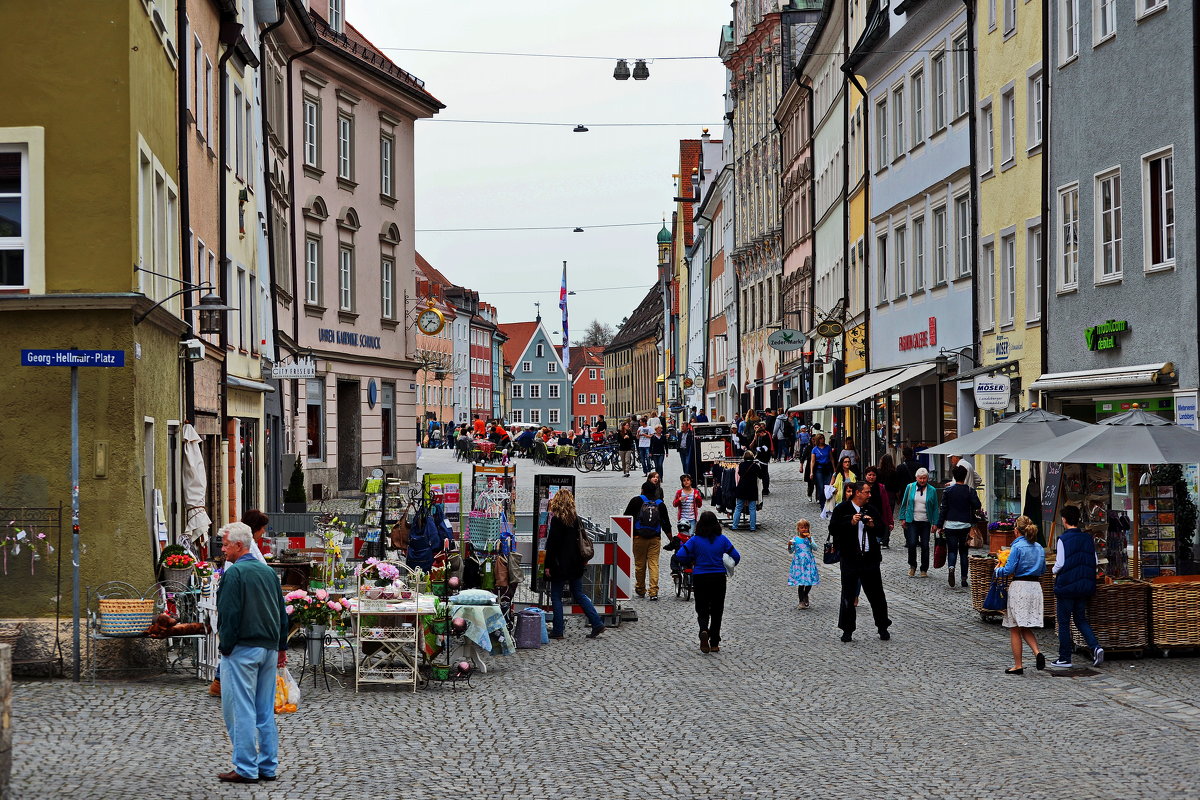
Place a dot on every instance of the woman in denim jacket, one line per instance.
(1026, 564)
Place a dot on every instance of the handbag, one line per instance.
(997, 597)
(832, 556)
(515, 573)
(939, 552)
(500, 570)
(729, 564)
(587, 550)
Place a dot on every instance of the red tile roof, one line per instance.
(432, 273)
(586, 356)
(519, 334)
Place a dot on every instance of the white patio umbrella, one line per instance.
(195, 486)
(1134, 437)
(1022, 429)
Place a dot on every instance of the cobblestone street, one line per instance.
(785, 710)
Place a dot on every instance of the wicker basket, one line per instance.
(1175, 614)
(126, 618)
(9, 634)
(981, 569)
(1119, 615)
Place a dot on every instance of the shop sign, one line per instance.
(992, 392)
(299, 368)
(1185, 411)
(1001, 353)
(1106, 336)
(1162, 406)
(925, 338)
(349, 338)
(785, 341)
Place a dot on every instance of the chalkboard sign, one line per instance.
(1050, 495)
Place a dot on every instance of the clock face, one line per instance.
(430, 321)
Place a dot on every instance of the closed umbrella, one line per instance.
(1023, 429)
(195, 486)
(1135, 437)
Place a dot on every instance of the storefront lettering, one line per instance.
(926, 338)
(1105, 337)
(349, 338)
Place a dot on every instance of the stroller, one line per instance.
(680, 574)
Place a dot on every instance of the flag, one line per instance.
(562, 303)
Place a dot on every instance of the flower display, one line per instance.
(204, 569)
(314, 608)
(374, 569)
(180, 561)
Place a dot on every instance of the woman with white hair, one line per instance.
(919, 511)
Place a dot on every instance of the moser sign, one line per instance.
(1106, 336)
(992, 392)
(300, 368)
(785, 341)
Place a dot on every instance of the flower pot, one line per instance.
(314, 644)
(437, 588)
(183, 576)
(440, 625)
(206, 587)
(440, 672)
(382, 582)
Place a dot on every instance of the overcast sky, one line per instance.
(500, 176)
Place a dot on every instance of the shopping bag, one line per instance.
(997, 597)
(730, 564)
(832, 556)
(939, 552)
(287, 692)
(830, 491)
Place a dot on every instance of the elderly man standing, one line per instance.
(253, 627)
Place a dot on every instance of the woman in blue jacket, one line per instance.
(706, 552)
(1026, 606)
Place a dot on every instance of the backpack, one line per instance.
(647, 523)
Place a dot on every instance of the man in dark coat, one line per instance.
(851, 526)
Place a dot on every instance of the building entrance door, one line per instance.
(349, 433)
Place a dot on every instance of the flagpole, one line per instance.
(566, 339)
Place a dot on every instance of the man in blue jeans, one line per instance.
(253, 629)
(1074, 585)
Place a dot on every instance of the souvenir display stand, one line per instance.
(388, 623)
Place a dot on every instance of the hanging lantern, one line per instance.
(621, 73)
(212, 312)
(640, 70)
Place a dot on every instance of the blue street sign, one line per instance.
(72, 358)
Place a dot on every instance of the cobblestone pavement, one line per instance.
(785, 710)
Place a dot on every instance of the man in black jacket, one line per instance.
(852, 526)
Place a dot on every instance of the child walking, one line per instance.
(803, 574)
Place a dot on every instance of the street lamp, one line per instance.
(621, 73)
(211, 312)
(640, 70)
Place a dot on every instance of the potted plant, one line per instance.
(295, 498)
(381, 573)
(204, 572)
(314, 611)
(179, 566)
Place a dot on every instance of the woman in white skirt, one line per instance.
(1026, 563)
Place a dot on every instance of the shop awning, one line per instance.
(833, 398)
(1140, 375)
(235, 382)
(891, 382)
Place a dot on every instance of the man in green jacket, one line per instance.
(253, 628)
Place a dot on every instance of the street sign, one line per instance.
(72, 358)
(786, 340)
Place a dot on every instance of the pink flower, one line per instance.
(290, 610)
(333, 604)
(295, 594)
(322, 595)
(345, 602)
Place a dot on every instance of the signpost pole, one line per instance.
(75, 517)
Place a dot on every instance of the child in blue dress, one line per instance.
(803, 573)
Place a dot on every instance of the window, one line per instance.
(881, 273)
(1033, 274)
(312, 131)
(1068, 26)
(552, 417)
(582, 398)
(1104, 20)
(239, 137)
(526, 366)
(386, 146)
(387, 290)
(535, 391)
(1008, 126)
(918, 282)
(901, 260)
(937, 65)
(1108, 226)
(881, 134)
(1068, 237)
(1010, 16)
(345, 147)
(336, 14)
(387, 420)
(345, 279)
(540, 351)
(314, 389)
(592, 400)
(518, 415)
(962, 58)
(14, 219)
(196, 96)
(1158, 189)
(1034, 113)
(898, 120)
(1008, 279)
(553, 391)
(987, 289)
(551, 367)
(918, 107)
(1148, 6)
(941, 245)
(243, 309)
(591, 374)
(535, 416)
(518, 390)
(987, 148)
(312, 270)
(991, 14)
(962, 228)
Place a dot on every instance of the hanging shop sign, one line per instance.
(1106, 336)
(992, 391)
(925, 338)
(299, 368)
(349, 338)
(786, 340)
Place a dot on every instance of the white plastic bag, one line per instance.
(830, 491)
(287, 692)
(729, 564)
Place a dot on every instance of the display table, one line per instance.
(389, 639)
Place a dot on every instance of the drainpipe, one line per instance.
(1044, 350)
(185, 216)
(972, 123)
(1195, 132)
(866, 287)
(266, 164)
(230, 33)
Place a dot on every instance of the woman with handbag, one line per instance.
(1026, 606)
(820, 466)
(706, 551)
(840, 480)
(959, 504)
(565, 565)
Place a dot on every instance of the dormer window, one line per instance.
(541, 351)
(336, 14)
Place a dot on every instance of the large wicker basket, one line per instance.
(1119, 614)
(981, 569)
(1175, 614)
(126, 618)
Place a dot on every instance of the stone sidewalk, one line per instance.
(785, 710)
